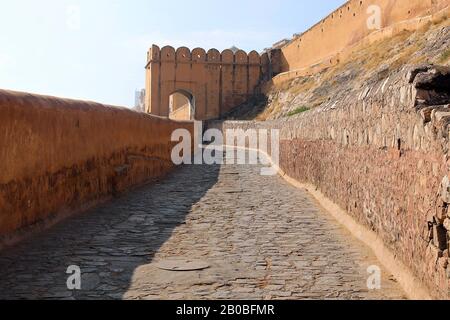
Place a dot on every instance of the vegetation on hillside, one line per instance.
(366, 65)
(298, 111)
(445, 57)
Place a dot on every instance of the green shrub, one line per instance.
(298, 111)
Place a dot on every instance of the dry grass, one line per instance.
(273, 109)
(445, 57)
(382, 51)
(443, 20)
(377, 59)
(305, 84)
(405, 56)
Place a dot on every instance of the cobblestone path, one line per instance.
(261, 237)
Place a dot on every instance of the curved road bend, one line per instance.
(261, 237)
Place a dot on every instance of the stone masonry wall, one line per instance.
(382, 155)
(217, 81)
(58, 156)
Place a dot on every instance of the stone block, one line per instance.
(446, 224)
(426, 114)
(440, 237)
(441, 214)
(445, 189)
(427, 233)
(410, 76)
(422, 96)
(443, 263)
(432, 256)
(441, 115)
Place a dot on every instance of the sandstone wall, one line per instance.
(216, 81)
(324, 44)
(382, 155)
(60, 155)
(180, 107)
(180, 114)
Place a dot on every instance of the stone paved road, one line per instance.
(262, 238)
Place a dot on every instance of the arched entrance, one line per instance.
(219, 81)
(181, 105)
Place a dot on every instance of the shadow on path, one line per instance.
(108, 243)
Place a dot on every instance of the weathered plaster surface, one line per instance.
(61, 155)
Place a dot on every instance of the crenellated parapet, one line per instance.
(199, 55)
(356, 23)
(214, 81)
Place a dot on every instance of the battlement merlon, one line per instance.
(199, 55)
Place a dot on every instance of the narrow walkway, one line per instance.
(261, 237)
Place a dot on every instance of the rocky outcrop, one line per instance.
(367, 65)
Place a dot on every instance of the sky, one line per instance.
(96, 49)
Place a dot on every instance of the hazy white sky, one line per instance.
(96, 49)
